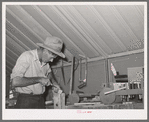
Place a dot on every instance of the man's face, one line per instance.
(48, 56)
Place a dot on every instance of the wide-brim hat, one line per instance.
(53, 44)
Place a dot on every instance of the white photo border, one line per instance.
(69, 114)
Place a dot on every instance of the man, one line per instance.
(32, 73)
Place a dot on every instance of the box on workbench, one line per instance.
(135, 74)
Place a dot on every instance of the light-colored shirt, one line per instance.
(28, 65)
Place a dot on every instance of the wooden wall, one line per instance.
(122, 63)
(97, 72)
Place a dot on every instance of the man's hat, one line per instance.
(53, 44)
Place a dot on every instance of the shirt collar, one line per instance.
(37, 58)
(35, 55)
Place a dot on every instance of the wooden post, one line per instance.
(62, 101)
(72, 73)
(107, 73)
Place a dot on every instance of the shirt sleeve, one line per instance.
(21, 66)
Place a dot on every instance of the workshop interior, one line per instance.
(104, 48)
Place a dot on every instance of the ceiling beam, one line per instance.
(7, 67)
(123, 22)
(17, 40)
(11, 58)
(87, 38)
(18, 19)
(8, 62)
(40, 28)
(87, 26)
(12, 52)
(108, 28)
(109, 57)
(55, 26)
(73, 28)
(140, 14)
(15, 45)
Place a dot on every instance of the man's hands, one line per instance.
(45, 81)
(55, 88)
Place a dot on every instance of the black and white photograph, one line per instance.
(74, 60)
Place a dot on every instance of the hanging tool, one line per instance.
(75, 67)
(62, 71)
(76, 63)
(82, 81)
(73, 96)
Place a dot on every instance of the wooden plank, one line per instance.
(111, 106)
(59, 100)
(54, 25)
(126, 53)
(130, 92)
(109, 29)
(75, 29)
(90, 29)
(63, 100)
(93, 103)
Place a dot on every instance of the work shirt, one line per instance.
(28, 65)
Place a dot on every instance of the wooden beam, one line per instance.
(109, 57)
(55, 26)
(63, 100)
(59, 12)
(130, 92)
(18, 31)
(126, 53)
(12, 52)
(89, 40)
(17, 40)
(108, 28)
(16, 46)
(90, 29)
(72, 73)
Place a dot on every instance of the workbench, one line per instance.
(112, 106)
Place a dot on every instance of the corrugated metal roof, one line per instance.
(90, 30)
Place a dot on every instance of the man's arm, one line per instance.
(26, 81)
(55, 86)
(52, 78)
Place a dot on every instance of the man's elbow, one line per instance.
(15, 82)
